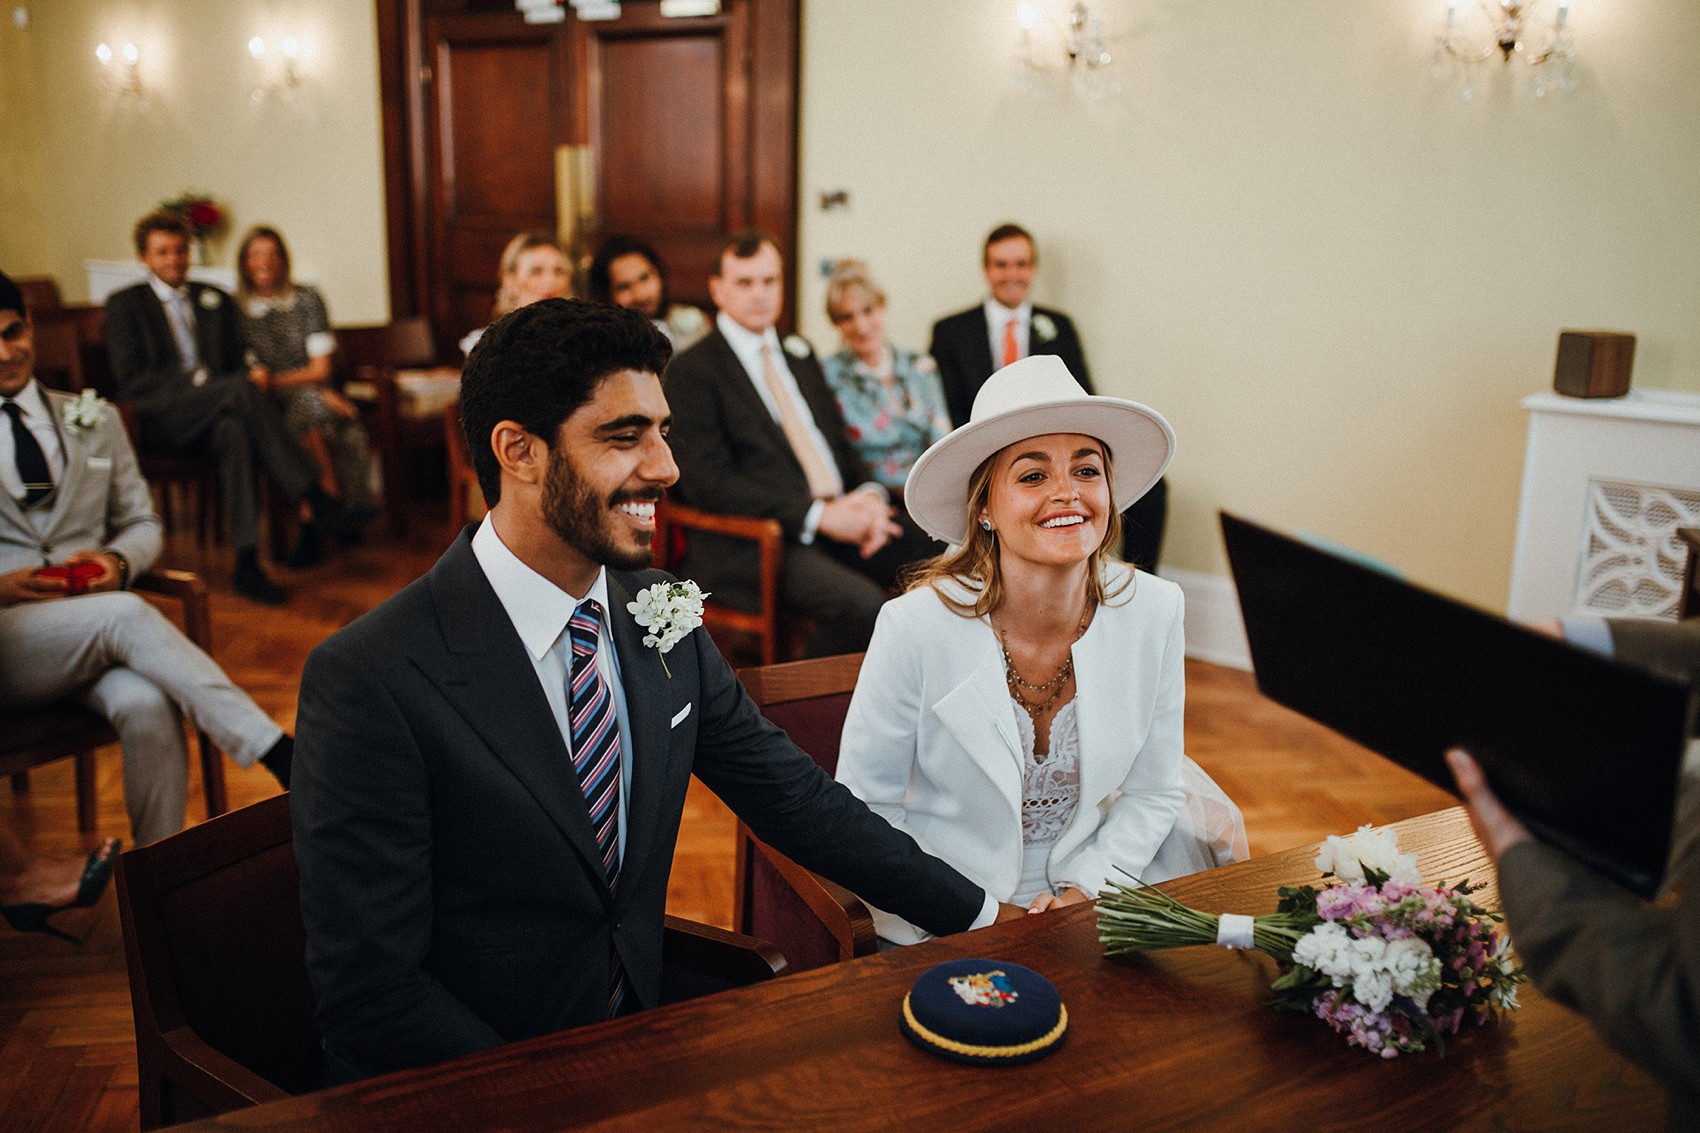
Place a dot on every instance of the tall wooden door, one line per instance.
(688, 124)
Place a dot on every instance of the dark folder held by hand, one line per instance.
(1584, 749)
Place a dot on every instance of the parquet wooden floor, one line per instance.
(67, 1056)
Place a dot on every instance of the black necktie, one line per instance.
(32, 462)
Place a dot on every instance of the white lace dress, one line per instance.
(1209, 829)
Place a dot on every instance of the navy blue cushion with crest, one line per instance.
(988, 1012)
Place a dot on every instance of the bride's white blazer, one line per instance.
(931, 742)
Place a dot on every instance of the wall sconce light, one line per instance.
(121, 74)
(1072, 50)
(1478, 31)
(277, 71)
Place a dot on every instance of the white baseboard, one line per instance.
(1214, 631)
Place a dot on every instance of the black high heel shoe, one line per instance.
(97, 872)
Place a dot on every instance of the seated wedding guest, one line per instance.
(176, 354)
(533, 267)
(1007, 327)
(286, 335)
(35, 888)
(628, 273)
(892, 401)
(493, 763)
(757, 432)
(73, 495)
(1028, 646)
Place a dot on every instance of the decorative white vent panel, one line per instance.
(1631, 558)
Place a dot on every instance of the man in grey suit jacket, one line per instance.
(758, 432)
(492, 765)
(73, 495)
(177, 356)
(969, 345)
(1631, 968)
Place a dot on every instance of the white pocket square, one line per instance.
(680, 718)
(100, 462)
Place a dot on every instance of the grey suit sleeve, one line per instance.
(361, 810)
(133, 530)
(797, 808)
(1632, 969)
(1667, 647)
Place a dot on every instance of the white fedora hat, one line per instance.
(1032, 398)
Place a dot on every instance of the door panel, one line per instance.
(690, 123)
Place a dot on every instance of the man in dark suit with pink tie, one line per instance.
(1007, 327)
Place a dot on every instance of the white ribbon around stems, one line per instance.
(1234, 930)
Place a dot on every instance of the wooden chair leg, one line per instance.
(212, 777)
(86, 802)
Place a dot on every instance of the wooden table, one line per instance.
(1174, 1040)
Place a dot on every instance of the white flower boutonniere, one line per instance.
(1044, 328)
(797, 346)
(211, 299)
(83, 411)
(668, 610)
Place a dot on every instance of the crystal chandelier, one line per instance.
(1074, 50)
(1478, 32)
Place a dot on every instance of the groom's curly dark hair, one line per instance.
(540, 363)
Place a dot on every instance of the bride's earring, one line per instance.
(985, 525)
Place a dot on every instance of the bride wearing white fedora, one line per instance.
(1019, 712)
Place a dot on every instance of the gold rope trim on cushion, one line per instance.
(955, 1047)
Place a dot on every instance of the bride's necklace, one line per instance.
(1049, 690)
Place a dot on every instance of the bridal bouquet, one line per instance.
(1388, 962)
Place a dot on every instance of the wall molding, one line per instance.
(1214, 631)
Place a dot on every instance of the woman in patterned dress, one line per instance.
(286, 333)
(891, 398)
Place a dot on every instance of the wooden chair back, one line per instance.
(767, 625)
(812, 920)
(218, 972)
(58, 353)
(366, 362)
(41, 293)
(466, 498)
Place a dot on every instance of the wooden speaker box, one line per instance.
(1593, 363)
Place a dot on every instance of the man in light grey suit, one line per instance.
(73, 495)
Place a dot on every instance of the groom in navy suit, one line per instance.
(491, 767)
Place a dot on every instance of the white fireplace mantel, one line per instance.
(1606, 483)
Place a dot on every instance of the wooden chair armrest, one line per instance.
(214, 1078)
(697, 959)
(839, 910)
(186, 587)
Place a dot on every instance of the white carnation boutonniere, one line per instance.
(797, 346)
(668, 611)
(1044, 327)
(210, 299)
(83, 412)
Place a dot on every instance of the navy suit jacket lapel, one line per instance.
(487, 676)
(645, 684)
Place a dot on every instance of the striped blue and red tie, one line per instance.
(596, 754)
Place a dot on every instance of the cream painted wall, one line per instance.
(1333, 275)
(23, 251)
(312, 167)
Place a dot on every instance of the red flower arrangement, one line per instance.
(203, 213)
